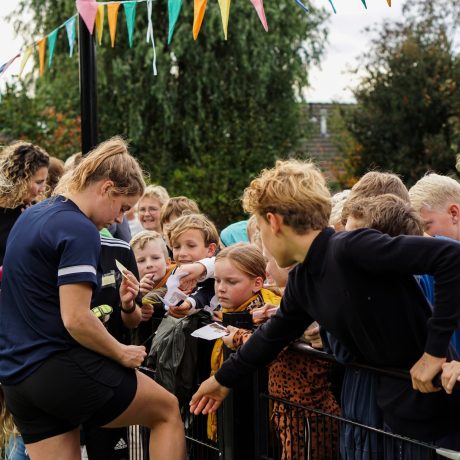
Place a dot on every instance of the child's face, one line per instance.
(151, 260)
(440, 222)
(190, 247)
(232, 286)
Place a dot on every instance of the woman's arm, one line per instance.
(87, 330)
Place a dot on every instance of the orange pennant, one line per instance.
(199, 7)
(112, 14)
(41, 53)
(389, 2)
(100, 22)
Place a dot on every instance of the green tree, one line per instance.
(407, 115)
(218, 111)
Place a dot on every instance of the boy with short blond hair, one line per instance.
(175, 207)
(360, 287)
(193, 237)
(437, 199)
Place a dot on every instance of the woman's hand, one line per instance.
(209, 397)
(129, 289)
(132, 356)
(262, 314)
(312, 336)
(146, 311)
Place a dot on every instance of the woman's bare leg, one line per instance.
(156, 408)
(64, 446)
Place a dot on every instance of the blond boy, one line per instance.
(193, 237)
(360, 287)
(437, 199)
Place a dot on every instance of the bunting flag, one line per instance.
(333, 7)
(174, 7)
(259, 6)
(70, 29)
(41, 53)
(150, 37)
(302, 5)
(389, 2)
(88, 11)
(112, 14)
(51, 45)
(364, 3)
(199, 7)
(225, 13)
(4, 67)
(130, 14)
(25, 57)
(100, 22)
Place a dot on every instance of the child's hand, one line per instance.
(146, 284)
(312, 336)
(146, 311)
(195, 272)
(450, 375)
(180, 311)
(228, 339)
(262, 314)
(129, 289)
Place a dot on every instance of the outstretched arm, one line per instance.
(209, 397)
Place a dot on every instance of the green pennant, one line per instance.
(51, 45)
(174, 7)
(364, 3)
(130, 13)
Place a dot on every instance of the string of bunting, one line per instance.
(93, 15)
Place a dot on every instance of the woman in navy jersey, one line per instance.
(59, 367)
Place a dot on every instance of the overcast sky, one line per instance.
(330, 82)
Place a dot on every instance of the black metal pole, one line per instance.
(88, 89)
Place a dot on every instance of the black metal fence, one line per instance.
(254, 425)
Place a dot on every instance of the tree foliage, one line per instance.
(407, 117)
(217, 112)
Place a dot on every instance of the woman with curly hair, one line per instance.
(23, 173)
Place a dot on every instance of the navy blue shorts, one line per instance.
(72, 388)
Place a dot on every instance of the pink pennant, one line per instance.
(88, 11)
(259, 6)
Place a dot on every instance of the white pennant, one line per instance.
(150, 37)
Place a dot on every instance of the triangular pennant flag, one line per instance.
(112, 14)
(302, 5)
(259, 6)
(100, 22)
(199, 7)
(130, 13)
(70, 29)
(88, 11)
(364, 3)
(174, 7)
(389, 2)
(333, 7)
(225, 13)
(41, 54)
(4, 67)
(149, 37)
(25, 57)
(51, 45)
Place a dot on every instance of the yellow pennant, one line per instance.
(25, 57)
(112, 14)
(100, 22)
(41, 53)
(199, 7)
(389, 2)
(225, 13)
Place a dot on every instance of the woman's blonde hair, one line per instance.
(19, 161)
(246, 257)
(142, 238)
(8, 428)
(294, 189)
(110, 160)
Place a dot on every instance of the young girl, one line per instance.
(59, 367)
(239, 275)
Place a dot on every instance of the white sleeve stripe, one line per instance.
(77, 269)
